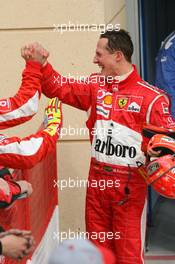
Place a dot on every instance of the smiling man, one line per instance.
(120, 107)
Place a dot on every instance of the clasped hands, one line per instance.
(36, 52)
(16, 243)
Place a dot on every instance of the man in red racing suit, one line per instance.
(26, 152)
(117, 111)
(23, 153)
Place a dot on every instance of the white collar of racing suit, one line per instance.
(120, 78)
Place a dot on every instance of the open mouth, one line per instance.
(101, 67)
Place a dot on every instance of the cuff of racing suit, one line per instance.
(47, 71)
(48, 86)
(33, 66)
(32, 74)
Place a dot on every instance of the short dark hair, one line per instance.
(119, 40)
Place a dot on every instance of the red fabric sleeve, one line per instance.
(24, 153)
(160, 114)
(21, 107)
(68, 90)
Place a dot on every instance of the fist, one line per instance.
(35, 52)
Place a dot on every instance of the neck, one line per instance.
(123, 68)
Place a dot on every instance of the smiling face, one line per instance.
(113, 53)
(106, 61)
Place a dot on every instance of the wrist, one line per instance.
(33, 64)
(46, 70)
(44, 64)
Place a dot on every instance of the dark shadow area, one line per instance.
(161, 235)
(158, 21)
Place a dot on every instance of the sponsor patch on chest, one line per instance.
(104, 103)
(102, 111)
(108, 148)
(104, 98)
(128, 103)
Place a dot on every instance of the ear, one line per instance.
(119, 55)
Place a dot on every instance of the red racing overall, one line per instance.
(118, 111)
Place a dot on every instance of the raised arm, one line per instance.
(69, 91)
(21, 107)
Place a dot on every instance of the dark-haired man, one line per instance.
(117, 109)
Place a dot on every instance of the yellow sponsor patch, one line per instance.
(122, 102)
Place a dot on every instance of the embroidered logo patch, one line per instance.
(134, 107)
(128, 103)
(122, 102)
(108, 100)
(102, 111)
(100, 94)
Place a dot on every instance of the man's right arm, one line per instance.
(69, 91)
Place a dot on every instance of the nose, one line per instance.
(95, 60)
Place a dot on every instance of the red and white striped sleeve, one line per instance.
(21, 107)
(24, 153)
